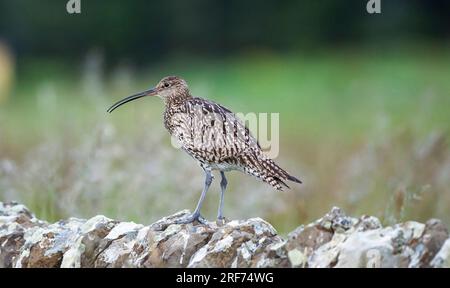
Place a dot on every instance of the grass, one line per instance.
(365, 131)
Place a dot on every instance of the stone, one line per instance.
(442, 258)
(335, 240)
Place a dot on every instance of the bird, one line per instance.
(214, 136)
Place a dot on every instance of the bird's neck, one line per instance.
(177, 99)
(174, 105)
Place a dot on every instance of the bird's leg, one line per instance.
(196, 214)
(223, 187)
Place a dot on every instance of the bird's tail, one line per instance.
(268, 171)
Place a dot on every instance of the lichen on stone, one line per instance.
(335, 240)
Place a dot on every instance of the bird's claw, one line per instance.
(221, 221)
(191, 218)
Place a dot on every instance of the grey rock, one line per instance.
(335, 240)
(442, 259)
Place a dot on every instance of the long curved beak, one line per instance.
(150, 92)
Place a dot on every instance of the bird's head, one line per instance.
(169, 88)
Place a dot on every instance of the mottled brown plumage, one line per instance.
(212, 135)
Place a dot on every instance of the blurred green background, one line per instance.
(364, 103)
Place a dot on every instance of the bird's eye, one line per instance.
(166, 85)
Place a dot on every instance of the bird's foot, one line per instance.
(191, 218)
(221, 221)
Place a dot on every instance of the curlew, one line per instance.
(214, 137)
